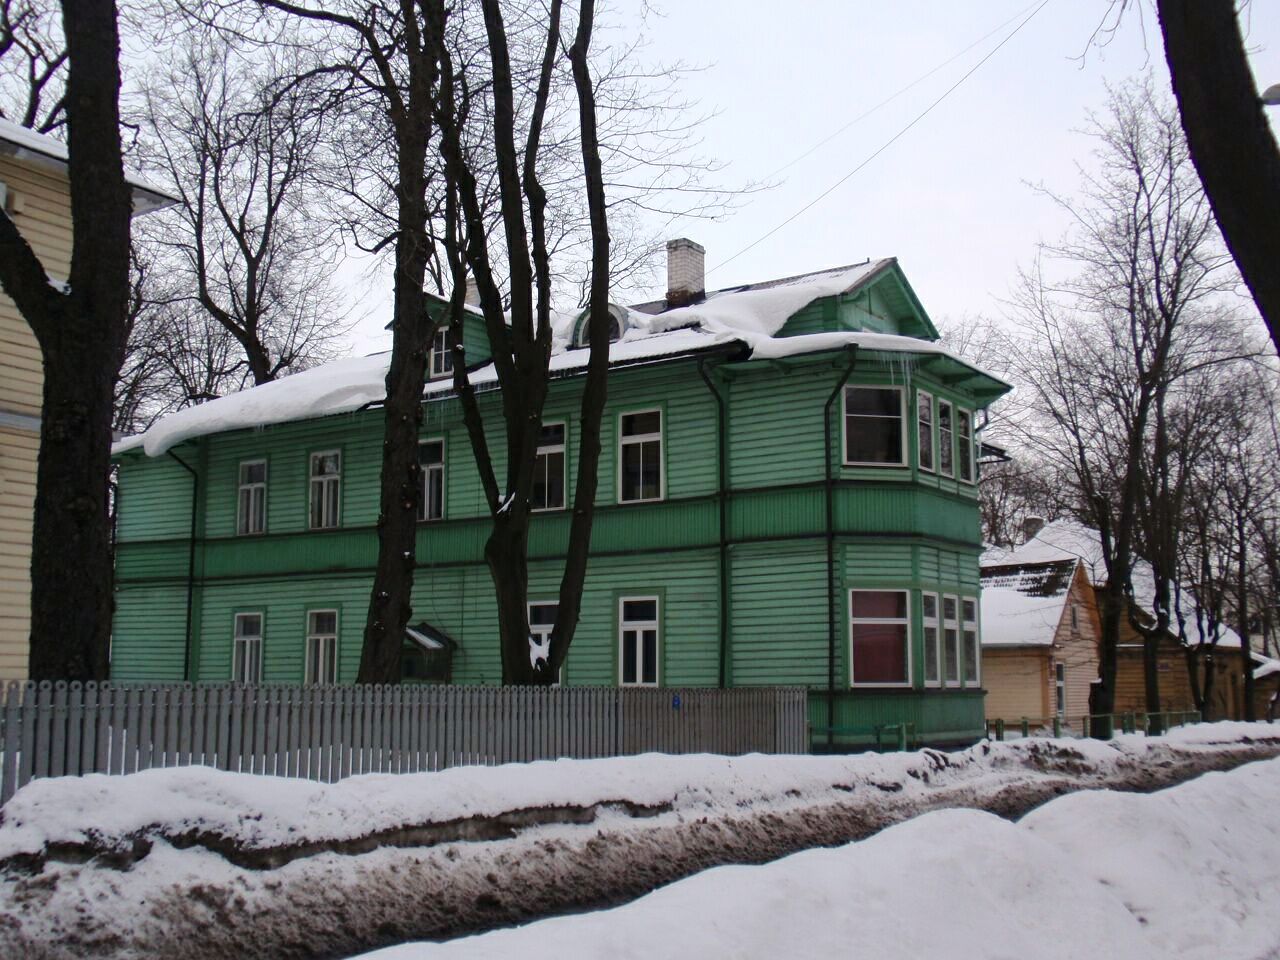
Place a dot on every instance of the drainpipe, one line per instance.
(191, 563)
(722, 498)
(831, 547)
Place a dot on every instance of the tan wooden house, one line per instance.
(1040, 633)
(34, 193)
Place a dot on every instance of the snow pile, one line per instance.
(337, 387)
(1186, 873)
(202, 864)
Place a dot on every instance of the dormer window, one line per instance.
(617, 325)
(440, 359)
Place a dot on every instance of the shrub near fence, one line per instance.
(330, 732)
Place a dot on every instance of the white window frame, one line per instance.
(640, 625)
(963, 415)
(315, 482)
(563, 448)
(976, 680)
(1060, 688)
(543, 630)
(327, 655)
(660, 436)
(439, 354)
(904, 619)
(934, 622)
(251, 487)
(952, 624)
(902, 426)
(248, 641)
(441, 468)
(951, 437)
(924, 401)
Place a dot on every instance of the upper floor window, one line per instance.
(246, 649)
(440, 357)
(431, 464)
(549, 469)
(638, 635)
(924, 432)
(873, 426)
(964, 437)
(879, 638)
(946, 443)
(640, 457)
(322, 646)
(326, 488)
(251, 508)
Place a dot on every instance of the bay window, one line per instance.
(879, 638)
(873, 426)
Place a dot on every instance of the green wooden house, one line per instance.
(788, 496)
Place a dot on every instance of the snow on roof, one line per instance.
(27, 144)
(1023, 608)
(1266, 666)
(749, 316)
(1064, 540)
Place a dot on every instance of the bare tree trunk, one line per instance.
(595, 391)
(1242, 615)
(1231, 143)
(81, 334)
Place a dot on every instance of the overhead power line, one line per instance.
(894, 96)
(888, 143)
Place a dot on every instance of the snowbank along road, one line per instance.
(199, 863)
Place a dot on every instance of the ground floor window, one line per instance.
(322, 646)
(951, 640)
(246, 649)
(932, 653)
(880, 638)
(969, 636)
(542, 620)
(638, 637)
(1060, 688)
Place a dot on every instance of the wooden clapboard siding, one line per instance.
(1017, 682)
(40, 205)
(894, 528)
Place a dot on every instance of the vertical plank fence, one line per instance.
(327, 733)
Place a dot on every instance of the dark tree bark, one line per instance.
(521, 351)
(1231, 144)
(81, 332)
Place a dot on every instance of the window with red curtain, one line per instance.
(879, 634)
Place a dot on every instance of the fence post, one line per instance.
(1057, 726)
(1026, 727)
(1000, 729)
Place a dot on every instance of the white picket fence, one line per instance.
(330, 732)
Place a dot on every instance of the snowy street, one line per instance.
(1189, 873)
(202, 863)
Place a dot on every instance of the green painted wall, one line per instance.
(896, 527)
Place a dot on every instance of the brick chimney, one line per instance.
(473, 292)
(686, 272)
(1031, 526)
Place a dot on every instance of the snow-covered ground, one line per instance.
(1188, 872)
(201, 863)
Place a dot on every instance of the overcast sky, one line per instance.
(951, 198)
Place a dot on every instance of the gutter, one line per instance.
(722, 496)
(191, 563)
(831, 547)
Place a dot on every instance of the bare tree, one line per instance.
(1143, 269)
(1230, 141)
(240, 144)
(34, 59)
(81, 330)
